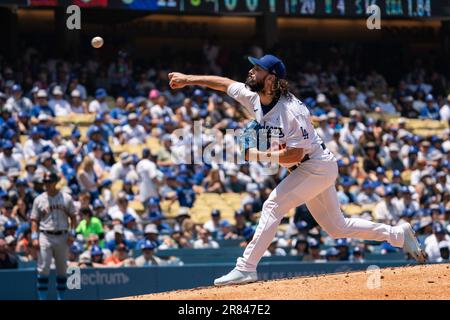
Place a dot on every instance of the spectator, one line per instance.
(387, 211)
(17, 102)
(148, 257)
(367, 194)
(274, 250)
(300, 248)
(120, 170)
(99, 105)
(7, 260)
(98, 260)
(432, 242)
(87, 177)
(213, 225)
(204, 241)
(119, 257)
(7, 160)
(430, 110)
(394, 162)
(77, 105)
(60, 106)
(148, 177)
(225, 231)
(90, 224)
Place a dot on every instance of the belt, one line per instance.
(305, 158)
(54, 233)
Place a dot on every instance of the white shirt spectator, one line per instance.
(200, 244)
(445, 112)
(385, 212)
(115, 213)
(119, 171)
(134, 135)
(147, 171)
(17, 105)
(98, 107)
(32, 148)
(278, 252)
(158, 112)
(210, 226)
(432, 247)
(7, 163)
(61, 107)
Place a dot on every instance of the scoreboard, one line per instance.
(406, 9)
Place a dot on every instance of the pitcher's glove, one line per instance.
(253, 136)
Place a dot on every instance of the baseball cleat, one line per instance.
(236, 277)
(411, 245)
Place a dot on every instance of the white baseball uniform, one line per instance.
(311, 183)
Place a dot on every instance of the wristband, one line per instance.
(34, 236)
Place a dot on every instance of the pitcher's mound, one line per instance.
(425, 282)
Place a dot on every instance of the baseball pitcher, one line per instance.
(50, 224)
(313, 168)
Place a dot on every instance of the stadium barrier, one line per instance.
(107, 283)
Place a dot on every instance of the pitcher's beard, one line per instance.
(254, 85)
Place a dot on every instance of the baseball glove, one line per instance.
(254, 136)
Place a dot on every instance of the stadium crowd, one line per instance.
(384, 166)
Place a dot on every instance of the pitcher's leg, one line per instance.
(326, 211)
(299, 187)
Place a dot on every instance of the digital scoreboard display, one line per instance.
(358, 8)
(407, 9)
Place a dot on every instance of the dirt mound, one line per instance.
(425, 282)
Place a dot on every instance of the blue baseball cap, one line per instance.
(75, 248)
(7, 145)
(347, 181)
(215, 213)
(396, 173)
(106, 183)
(100, 93)
(248, 232)
(16, 88)
(313, 243)
(239, 213)
(438, 228)
(367, 184)
(128, 218)
(413, 150)
(198, 93)
(408, 212)
(156, 215)
(429, 97)
(35, 131)
(225, 224)
(271, 64)
(96, 251)
(98, 204)
(301, 225)
(380, 170)
(99, 117)
(389, 191)
(331, 252)
(341, 242)
(147, 244)
(21, 182)
(154, 201)
(10, 224)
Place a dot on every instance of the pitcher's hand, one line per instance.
(177, 80)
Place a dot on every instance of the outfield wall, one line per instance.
(109, 283)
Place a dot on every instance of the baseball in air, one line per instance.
(97, 42)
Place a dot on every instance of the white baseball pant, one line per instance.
(312, 183)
